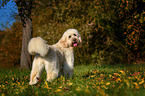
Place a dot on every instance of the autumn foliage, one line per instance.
(112, 31)
(10, 48)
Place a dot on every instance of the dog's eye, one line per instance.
(69, 37)
(75, 35)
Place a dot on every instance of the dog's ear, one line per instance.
(63, 42)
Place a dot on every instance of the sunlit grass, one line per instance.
(91, 80)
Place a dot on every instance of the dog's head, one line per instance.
(71, 38)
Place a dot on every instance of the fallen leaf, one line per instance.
(58, 90)
(87, 91)
(78, 89)
(136, 85)
(141, 82)
(108, 83)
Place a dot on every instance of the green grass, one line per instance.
(93, 80)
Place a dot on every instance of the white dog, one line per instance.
(57, 59)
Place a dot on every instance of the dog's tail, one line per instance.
(38, 46)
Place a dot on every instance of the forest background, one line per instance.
(113, 32)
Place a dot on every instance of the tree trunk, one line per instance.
(24, 8)
(25, 56)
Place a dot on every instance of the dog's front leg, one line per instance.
(68, 70)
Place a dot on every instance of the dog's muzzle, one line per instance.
(75, 42)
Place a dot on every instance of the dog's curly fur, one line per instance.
(57, 59)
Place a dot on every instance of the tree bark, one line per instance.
(24, 8)
(25, 56)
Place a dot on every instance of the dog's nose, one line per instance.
(74, 39)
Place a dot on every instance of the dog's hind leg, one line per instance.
(51, 76)
(52, 73)
(37, 70)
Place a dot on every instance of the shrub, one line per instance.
(112, 31)
(11, 46)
